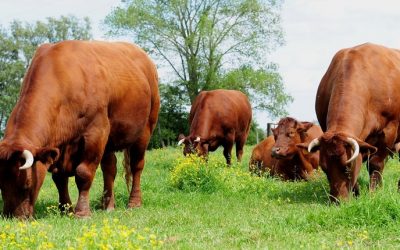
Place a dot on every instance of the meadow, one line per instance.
(189, 204)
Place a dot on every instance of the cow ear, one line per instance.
(366, 147)
(48, 155)
(302, 146)
(304, 126)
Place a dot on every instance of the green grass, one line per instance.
(189, 204)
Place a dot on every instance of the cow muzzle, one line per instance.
(279, 153)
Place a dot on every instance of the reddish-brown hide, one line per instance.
(281, 155)
(85, 100)
(357, 106)
(218, 118)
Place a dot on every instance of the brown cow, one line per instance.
(218, 117)
(91, 98)
(357, 107)
(281, 156)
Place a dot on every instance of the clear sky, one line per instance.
(314, 31)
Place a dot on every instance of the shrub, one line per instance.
(195, 174)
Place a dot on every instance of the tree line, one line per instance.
(196, 44)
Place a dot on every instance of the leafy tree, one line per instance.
(262, 86)
(18, 43)
(206, 41)
(205, 45)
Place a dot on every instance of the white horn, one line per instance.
(312, 144)
(197, 139)
(181, 141)
(355, 147)
(27, 155)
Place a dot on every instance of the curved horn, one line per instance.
(312, 144)
(181, 141)
(197, 139)
(355, 147)
(27, 155)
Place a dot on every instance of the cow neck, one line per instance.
(345, 114)
(201, 125)
(35, 122)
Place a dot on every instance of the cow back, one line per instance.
(218, 112)
(72, 83)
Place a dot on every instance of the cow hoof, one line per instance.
(134, 204)
(109, 208)
(108, 204)
(82, 214)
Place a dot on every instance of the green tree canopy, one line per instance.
(208, 43)
(18, 43)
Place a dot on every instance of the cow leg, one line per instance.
(64, 200)
(356, 189)
(228, 152)
(136, 155)
(109, 168)
(95, 142)
(377, 162)
(239, 148)
(375, 169)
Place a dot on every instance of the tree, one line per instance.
(17, 46)
(205, 45)
(206, 42)
(173, 117)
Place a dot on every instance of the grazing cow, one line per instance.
(80, 101)
(281, 155)
(218, 117)
(358, 109)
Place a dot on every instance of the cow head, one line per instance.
(287, 135)
(341, 159)
(193, 145)
(22, 173)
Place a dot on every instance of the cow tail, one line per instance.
(127, 168)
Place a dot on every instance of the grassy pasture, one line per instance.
(191, 205)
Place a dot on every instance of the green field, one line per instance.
(188, 204)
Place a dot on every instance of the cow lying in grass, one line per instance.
(280, 155)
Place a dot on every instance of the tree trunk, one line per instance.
(159, 134)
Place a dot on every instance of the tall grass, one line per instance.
(192, 204)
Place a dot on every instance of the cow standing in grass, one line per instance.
(280, 155)
(218, 118)
(86, 99)
(358, 108)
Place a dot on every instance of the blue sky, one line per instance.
(314, 31)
